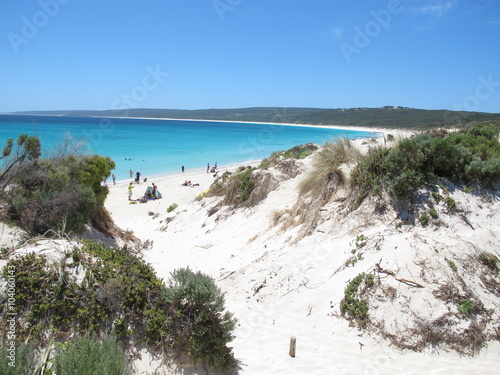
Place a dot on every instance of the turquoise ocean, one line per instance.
(160, 147)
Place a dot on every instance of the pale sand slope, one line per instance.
(278, 288)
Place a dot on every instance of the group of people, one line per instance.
(150, 194)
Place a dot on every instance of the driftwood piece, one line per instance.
(389, 272)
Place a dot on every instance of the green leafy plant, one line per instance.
(466, 306)
(424, 219)
(452, 265)
(199, 327)
(172, 207)
(353, 304)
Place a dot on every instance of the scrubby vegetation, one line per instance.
(471, 155)
(198, 325)
(62, 193)
(297, 152)
(354, 305)
(108, 291)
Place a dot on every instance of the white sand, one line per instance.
(277, 288)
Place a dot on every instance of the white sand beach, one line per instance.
(278, 287)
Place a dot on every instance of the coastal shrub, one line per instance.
(353, 305)
(236, 187)
(470, 155)
(424, 219)
(103, 294)
(23, 362)
(89, 355)
(172, 207)
(297, 152)
(199, 327)
(59, 194)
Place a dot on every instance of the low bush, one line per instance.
(297, 152)
(471, 155)
(172, 207)
(353, 304)
(199, 325)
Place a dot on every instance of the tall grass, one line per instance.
(24, 363)
(326, 166)
(90, 356)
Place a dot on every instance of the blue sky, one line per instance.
(191, 54)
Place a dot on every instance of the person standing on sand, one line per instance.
(138, 177)
(130, 187)
(208, 167)
(114, 178)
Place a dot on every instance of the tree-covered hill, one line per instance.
(386, 117)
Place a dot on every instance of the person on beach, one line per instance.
(114, 178)
(153, 193)
(182, 169)
(208, 167)
(138, 177)
(131, 173)
(130, 187)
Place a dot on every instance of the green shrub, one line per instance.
(450, 203)
(172, 207)
(424, 219)
(466, 306)
(353, 304)
(199, 326)
(297, 152)
(471, 155)
(89, 355)
(61, 194)
(434, 214)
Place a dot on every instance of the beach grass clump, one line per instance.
(199, 325)
(326, 168)
(296, 152)
(89, 355)
(471, 155)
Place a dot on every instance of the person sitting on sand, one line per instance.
(186, 183)
(144, 199)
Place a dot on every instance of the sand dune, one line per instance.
(278, 286)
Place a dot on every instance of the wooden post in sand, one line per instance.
(293, 345)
